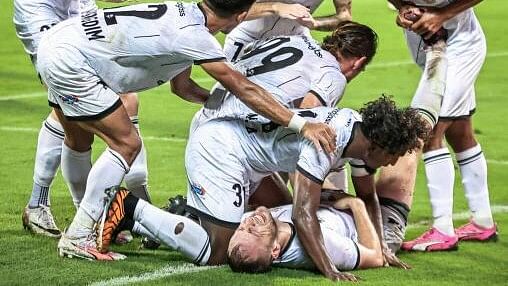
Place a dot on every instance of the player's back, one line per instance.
(137, 47)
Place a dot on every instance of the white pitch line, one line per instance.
(167, 139)
(210, 79)
(460, 216)
(157, 274)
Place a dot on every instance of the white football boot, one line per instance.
(85, 248)
(39, 220)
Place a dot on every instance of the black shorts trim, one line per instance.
(198, 62)
(451, 118)
(400, 207)
(101, 115)
(309, 175)
(357, 257)
(54, 105)
(323, 102)
(203, 216)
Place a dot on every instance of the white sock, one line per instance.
(75, 169)
(440, 179)
(108, 171)
(141, 230)
(473, 168)
(137, 178)
(47, 160)
(178, 232)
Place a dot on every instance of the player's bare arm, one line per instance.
(369, 243)
(433, 18)
(283, 10)
(187, 89)
(263, 103)
(330, 22)
(366, 190)
(306, 200)
(310, 101)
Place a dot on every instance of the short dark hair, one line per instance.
(352, 39)
(226, 8)
(396, 130)
(238, 263)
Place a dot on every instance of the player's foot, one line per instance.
(85, 248)
(123, 237)
(39, 220)
(432, 240)
(176, 205)
(474, 232)
(112, 223)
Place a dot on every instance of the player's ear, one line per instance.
(275, 250)
(359, 63)
(241, 16)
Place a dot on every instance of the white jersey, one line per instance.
(137, 47)
(339, 235)
(224, 158)
(34, 17)
(265, 28)
(288, 68)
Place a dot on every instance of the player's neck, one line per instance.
(284, 234)
(358, 146)
(212, 21)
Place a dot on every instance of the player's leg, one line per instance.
(37, 215)
(271, 192)
(473, 169)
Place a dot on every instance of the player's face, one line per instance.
(255, 235)
(378, 157)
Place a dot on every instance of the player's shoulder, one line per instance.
(186, 16)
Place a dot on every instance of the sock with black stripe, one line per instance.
(47, 160)
(473, 169)
(178, 232)
(440, 178)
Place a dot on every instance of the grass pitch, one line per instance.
(28, 259)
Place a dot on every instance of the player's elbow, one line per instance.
(371, 258)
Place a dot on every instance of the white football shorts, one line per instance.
(73, 85)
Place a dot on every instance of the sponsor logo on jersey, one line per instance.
(181, 9)
(90, 23)
(312, 47)
(331, 115)
(198, 190)
(69, 99)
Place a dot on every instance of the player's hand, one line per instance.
(406, 12)
(292, 11)
(321, 135)
(308, 22)
(390, 259)
(336, 275)
(429, 23)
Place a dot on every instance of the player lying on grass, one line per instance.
(267, 237)
(86, 62)
(32, 18)
(446, 97)
(225, 157)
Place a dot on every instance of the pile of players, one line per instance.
(269, 121)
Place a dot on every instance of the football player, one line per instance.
(32, 19)
(465, 53)
(226, 157)
(273, 25)
(268, 237)
(87, 61)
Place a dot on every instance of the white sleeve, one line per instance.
(200, 46)
(343, 251)
(329, 87)
(359, 169)
(313, 164)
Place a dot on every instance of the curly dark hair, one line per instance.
(226, 8)
(238, 263)
(397, 130)
(352, 39)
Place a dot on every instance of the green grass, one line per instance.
(27, 259)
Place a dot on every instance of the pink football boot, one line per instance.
(473, 232)
(432, 240)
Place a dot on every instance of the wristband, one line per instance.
(296, 123)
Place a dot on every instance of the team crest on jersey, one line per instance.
(198, 189)
(69, 99)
